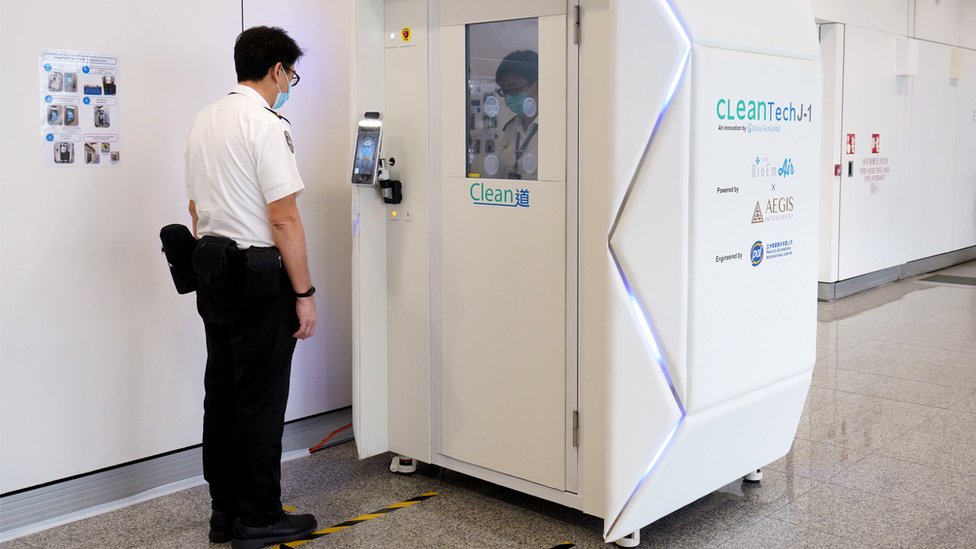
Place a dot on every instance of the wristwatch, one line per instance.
(307, 293)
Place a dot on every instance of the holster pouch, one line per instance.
(212, 262)
(178, 244)
(262, 271)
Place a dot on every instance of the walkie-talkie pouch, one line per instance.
(263, 271)
(178, 246)
(212, 262)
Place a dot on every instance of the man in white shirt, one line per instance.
(242, 181)
(517, 77)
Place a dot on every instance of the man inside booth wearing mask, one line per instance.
(518, 84)
(242, 181)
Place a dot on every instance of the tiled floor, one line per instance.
(885, 456)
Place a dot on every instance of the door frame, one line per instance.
(569, 496)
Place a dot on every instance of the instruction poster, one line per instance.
(80, 114)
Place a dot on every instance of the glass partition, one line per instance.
(503, 99)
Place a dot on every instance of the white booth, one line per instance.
(600, 285)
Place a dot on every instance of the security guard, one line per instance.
(517, 77)
(242, 182)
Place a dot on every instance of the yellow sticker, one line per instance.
(406, 34)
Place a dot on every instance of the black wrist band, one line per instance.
(308, 293)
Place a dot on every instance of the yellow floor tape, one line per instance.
(360, 519)
(370, 516)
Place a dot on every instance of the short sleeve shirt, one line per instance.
(518, 150)
(240, 157)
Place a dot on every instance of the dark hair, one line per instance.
(258, 49)
(524, 63)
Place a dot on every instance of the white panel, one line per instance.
(370, 366)
(964, 197)
(453, 142)
(319, 109)
(752, 323)
(641, 413)
(597, 274)
(405, 138)
(718, 446)
(893, 16)
(875, 101)
(453, 12)
(502, 382)
(968, 25)
(778, 27)
(651, 239)
(98, 353)
(638, 95)
(932, 161)
(552, 98)
(832, 50)
(648, 197)
(906, 57)
(939, 20)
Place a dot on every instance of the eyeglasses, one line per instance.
(295, 79)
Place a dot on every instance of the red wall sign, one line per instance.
(875, 143)
(850, 143)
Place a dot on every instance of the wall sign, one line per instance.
(80, 116)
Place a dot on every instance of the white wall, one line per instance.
(964, 199)
(933, 159)
(927, 204)
(101, 362)
(319, 109)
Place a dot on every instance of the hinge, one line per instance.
(575, 429)
(576, 25)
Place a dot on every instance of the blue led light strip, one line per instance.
(642, 318)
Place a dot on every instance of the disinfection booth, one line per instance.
(599, 285)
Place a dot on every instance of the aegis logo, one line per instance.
(782, 204)
(776, 209)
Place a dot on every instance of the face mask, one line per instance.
(516, 102)
(282, 97)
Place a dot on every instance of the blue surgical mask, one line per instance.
(282, 97)
(516, 102)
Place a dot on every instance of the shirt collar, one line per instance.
(516, 123)
(248, 91)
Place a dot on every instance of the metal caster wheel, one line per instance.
(754, 476)
(630, 540)
(403, 465)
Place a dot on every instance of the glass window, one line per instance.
(503, 99)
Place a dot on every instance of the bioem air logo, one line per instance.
(762, 168)
(483, 195)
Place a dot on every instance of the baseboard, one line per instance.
(28, 511)
(829, 291)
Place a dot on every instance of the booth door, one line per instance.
(503, 356)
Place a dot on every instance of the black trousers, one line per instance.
(249, 351)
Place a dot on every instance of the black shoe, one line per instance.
(221, 527)
(287, 528)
